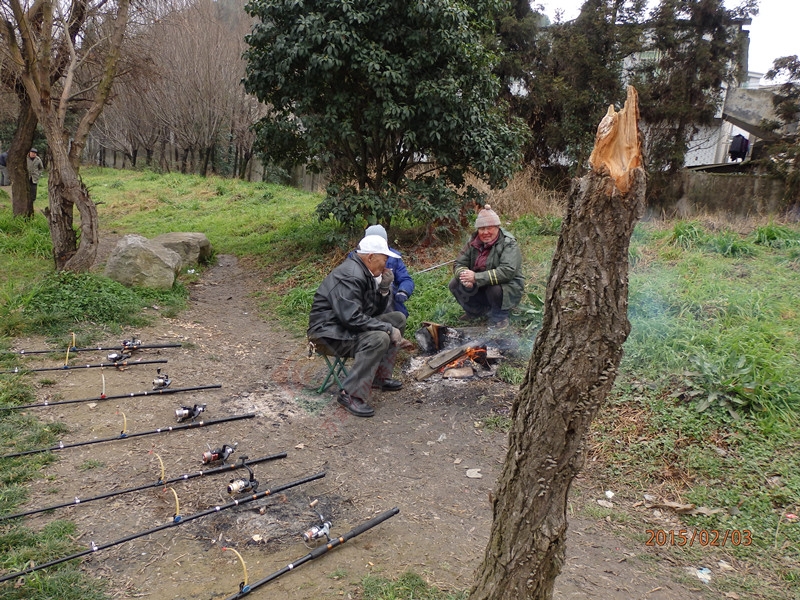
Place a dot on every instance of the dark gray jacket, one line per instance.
(346, 303)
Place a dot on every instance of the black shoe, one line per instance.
(387, 385)
(355, 405)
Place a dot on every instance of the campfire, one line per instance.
(463, 359)
(473, 358)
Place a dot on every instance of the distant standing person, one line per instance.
(488, 272)
(35, 168)
(4, 180)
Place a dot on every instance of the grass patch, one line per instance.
(497, 423)
(90, 464)
(408, 586)
(20, 546)
(511, 374)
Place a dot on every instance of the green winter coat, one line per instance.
(503, 266)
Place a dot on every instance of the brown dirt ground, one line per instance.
(413, 454)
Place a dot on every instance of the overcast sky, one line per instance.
(774, 31)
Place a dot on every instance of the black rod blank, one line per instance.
(177, 520)
(116, 397)
(117, 365)
(186, 476)
(317, 552)
(96, 349)
(124, 436)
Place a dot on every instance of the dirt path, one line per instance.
(414, 454)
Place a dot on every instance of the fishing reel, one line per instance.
(161, 381)
(242, 486)
(218, 455)
(316, 532)
(131, 344)
(116, 357)
(185, 413)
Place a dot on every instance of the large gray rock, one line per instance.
(137, 261)
(194, 248)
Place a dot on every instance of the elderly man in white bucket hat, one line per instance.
(348, 319)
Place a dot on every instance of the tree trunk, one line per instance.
(572, 368)
(66, 191)
(21, 202)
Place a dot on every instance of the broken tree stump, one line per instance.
(572, 368)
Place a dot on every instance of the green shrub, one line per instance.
(687, 235)
(729, 244)
(776, 236)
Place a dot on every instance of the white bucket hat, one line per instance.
(375, 244)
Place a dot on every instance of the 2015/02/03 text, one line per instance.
(699, 537)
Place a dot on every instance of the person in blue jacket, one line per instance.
(403, 285)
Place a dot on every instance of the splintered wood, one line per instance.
(617, 147)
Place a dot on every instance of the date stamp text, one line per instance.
(699, 537)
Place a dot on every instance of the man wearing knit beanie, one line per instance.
(403, 285)
(488, 276)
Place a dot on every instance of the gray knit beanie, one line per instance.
(376, 230)
(487, 218)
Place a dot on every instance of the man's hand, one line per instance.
(401, 297)
(396, 336)
(399, 341)
(467, 278)
(387, 277)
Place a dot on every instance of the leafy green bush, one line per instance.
(427, 201)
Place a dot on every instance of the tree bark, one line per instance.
(21, 202)
(572, 368)
(66, 191)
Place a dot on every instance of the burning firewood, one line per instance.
(475, 352)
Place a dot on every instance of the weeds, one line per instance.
(776, 236)
(687, 235)
(497, 423)
(408, 586)
(727, 383)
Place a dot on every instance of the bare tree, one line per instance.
(184, 100)
(199, 92)
(572, 368)
(85, 37)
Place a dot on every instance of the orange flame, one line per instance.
(474, 354)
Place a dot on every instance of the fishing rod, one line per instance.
(245, 589)
(116, 364)
(444, 264)
(126, 345)
(124, 436)
(117, 397)
(176, 520)
(186, 476)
